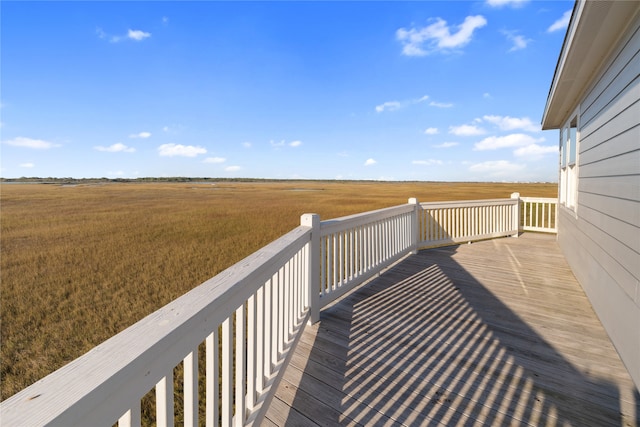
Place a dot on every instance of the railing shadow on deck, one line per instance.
(428, 344)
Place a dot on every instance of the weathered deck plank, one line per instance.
(494, 333)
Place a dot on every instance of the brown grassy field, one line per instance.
(81, 263)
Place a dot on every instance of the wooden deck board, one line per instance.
(493, 333)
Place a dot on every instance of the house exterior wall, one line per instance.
(600, 236)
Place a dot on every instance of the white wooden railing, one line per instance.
(354, 248)
(465, 221)
(247, 317)
(538, 214)
(242, 324)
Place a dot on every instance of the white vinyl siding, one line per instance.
(599, 231)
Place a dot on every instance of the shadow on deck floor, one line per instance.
(494, 333)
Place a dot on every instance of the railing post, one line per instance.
(313, 265)
(516, 213)
(415, 230)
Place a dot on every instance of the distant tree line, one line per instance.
(58, 180)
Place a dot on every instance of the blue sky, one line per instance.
(438, 91)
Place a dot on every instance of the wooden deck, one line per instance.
(493, 333)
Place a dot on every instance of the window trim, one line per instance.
(568, 176)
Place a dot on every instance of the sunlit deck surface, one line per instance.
(493, 333)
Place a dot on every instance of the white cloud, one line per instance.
(36, 144)
(214, 160)
(396, 105)
(438, 36)
(513, 123)
(428, 162)
(441, 104)
(466, 130)
(370, 162)
(27, 165)
(101, 34)
(519, 42)
(535, 151)
(561, 23)
(232, 168)
(512, 140)
(170, 150)
(116, 148)
(137, 35)
(142, 135)
(431, 131)
(277, 144)
(165, 20)
(446, 145)
(165, 129)
(496, 168)
(295, 143)
(388, 106)
(486, 95)
(500, 3)
(246, 144)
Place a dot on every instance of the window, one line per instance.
(568, 163)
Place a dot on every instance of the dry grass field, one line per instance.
(81, 263)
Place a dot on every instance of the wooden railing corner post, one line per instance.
(313, 263)
(516, 213)
(415, 230)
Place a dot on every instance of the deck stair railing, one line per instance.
(243, 323)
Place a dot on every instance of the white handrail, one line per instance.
(250, 316)
(444, 223)
(265, 296)
(539, 214)
(355, 248)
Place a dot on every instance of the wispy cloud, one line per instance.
(466, 130)
(246, 144)
(370, 162)
(282, 143)
(36, 144)
(27, 165)
(143, 135)
(535, 151)
(232, 168)
(136, 35)
(171, 150)
(441, 104)
(518, 42)
(388, 106)
(428, 162)
(446, 145)
(438, 36)
(275, 144)
(512, 123)
(396, 105)
(512, 3)
(115, 148)
(507, 141)
(431, 131)
(496, 168)
(561, 23)
(214, 160)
